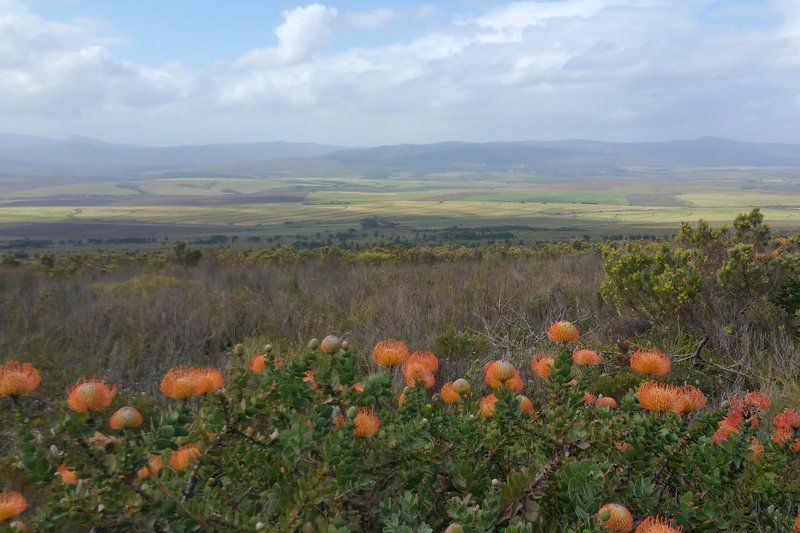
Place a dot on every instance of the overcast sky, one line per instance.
(363, 73)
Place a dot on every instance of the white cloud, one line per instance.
(370, 20)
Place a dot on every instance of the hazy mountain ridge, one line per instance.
(31, 157)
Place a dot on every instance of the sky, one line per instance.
(364, 73)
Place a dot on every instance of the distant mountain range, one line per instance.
(26, 157)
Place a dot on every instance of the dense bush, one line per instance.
(310, 442)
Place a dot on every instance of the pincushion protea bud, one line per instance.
(330, 344)
(418, 373)
(90, 395)
(563, 332)
(183, 457)
(390, 353)
(650, 362)
(607, 401)
(616, 518)
(586, 357)
(126, 418)
(500, 373)
(258, 363)
(67, 475)
(526, 405)
(487, 407)
(180, 383)
(542, 366)
(18, 379)
(449, 394)
(12, 504)
(366, 423)
(454, 528)
(656, 524)
(462, 386)
(427, 359)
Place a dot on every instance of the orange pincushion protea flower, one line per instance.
(751, 403)
(390, 353)
(695, 399)
(607, 401)
(660, 398)
(756, 449)
(67, 475)
(258, 363)
(208, 380)
(650, 362)
(183, 457)
(656, 524)
(515, 383)
(12, 504)
(616, 518)
(589, 398)
(366, 423)
(782, 435)
(428, 359)
(462, 386)
(449, 394)
(585, 357)
(154, 466)
(18, 379)
(563, 332)
(90, 395)
(502, 373)
(622, 446)
(526, 405)
(542, 366)
(126, 418)
(181, 383)
(788, 418)
(309, 378)
(796, 526)
(488, 404)
(418, 373)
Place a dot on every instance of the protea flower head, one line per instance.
(309, 378)
(428, 359)
(515, 383)
(330, 344)
(91, 395)
(586, 357)
(622, 446)
(449, 394)
(462, 386)
(656, 524)
(796, 526)
(181, 383)
(12, 504)
(208, 379)
(782, 435)
(67, 475)
(487, 407)
(563, 332)
(589, 398)
(616, 518)
(183, 457)
(756, 449)
(788, 418)
(660, 398)
(650, 362)
(366, 423)
(751, 403)
(607, 401)
(526, 405)
(390, 353)
(418, 373)
(695, 399)
(542, 366)
(258, 363)
(154, 466)
(18, 379)
(126, 418)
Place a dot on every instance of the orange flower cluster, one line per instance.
(586, 357)
(563, 332)
(727, 427)
(390, 353)
(188, 382)
(499, 374)
(258, 363)
(366, 423)
(615, 518)
(18, 379)
(12, 504)
(607, 401)
(154, 466)
(488, 405)
(751, 403)
(183, 457)
(91, 395)
(742, 408)
(67, 475)
(426, 359)
(662, 398)
(650, 362)
(449, 394)
(785, 423)
(796, 526)
(756, 449)
(126, 418)
(589, 398)
(656, 524)
(542, 366)
(526, 405)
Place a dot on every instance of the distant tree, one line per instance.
(186, 256)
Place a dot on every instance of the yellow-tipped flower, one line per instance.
(12, 504)
(90, 395)
(526, 405)
(616, 518)
(563, 332)
(502, 373)
(390, 353)
(18, 379)
(449, 394)
(126, 418)
(656, 524)
(650, 362)
(586, 357)
(366, 423)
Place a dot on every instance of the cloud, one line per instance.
(606, 69)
